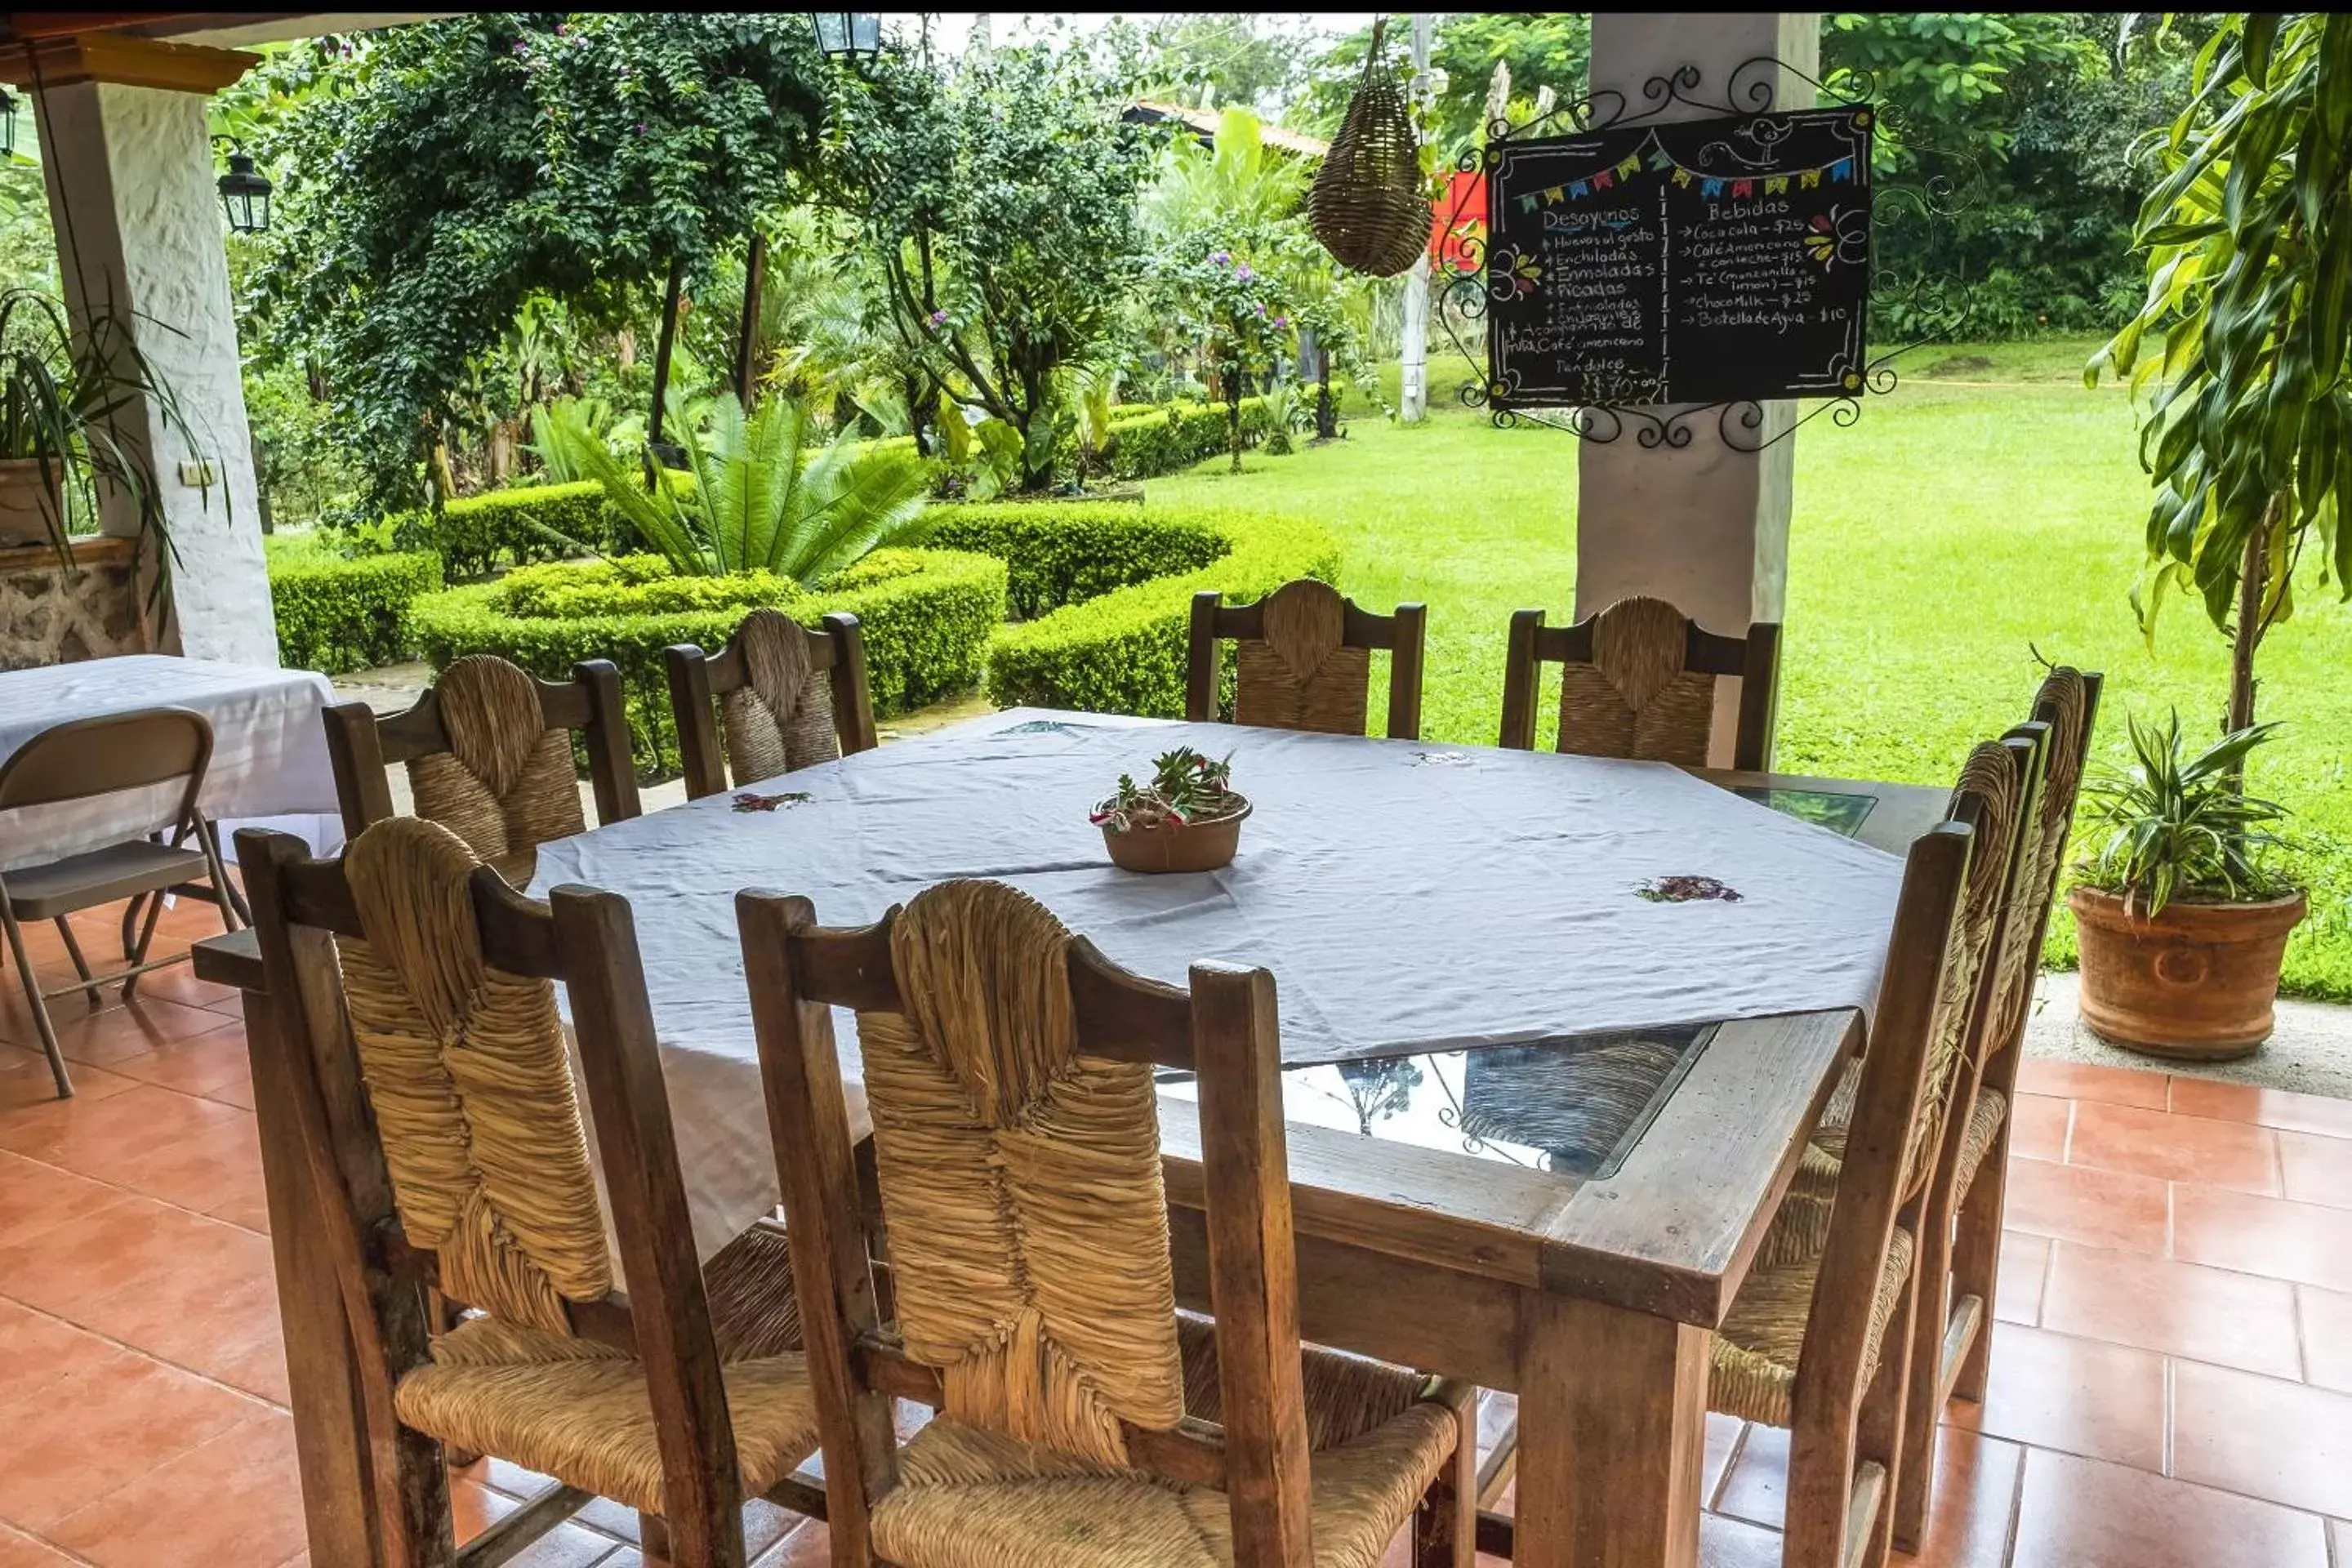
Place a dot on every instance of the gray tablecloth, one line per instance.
(1404, 896)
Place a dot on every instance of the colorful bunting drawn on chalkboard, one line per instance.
(1660, 160)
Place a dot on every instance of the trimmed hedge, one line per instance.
(926, 616)
(1161, 440)
(1113, 585)
(336, 614)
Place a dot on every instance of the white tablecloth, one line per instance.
(269, 748)
(1405, 896)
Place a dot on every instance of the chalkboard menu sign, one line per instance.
(1699, 261)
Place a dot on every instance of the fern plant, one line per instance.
(762, 499)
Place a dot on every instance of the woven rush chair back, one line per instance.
(788, 696)
(413, 1005)
(1638, 680)
(1302, 660)
(488, 753)
(2067, 705)
(1008, 1068)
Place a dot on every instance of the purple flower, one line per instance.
(939, 318)
(641, 128)
(1221, 256)
(1260, 306)
(521, 48)
(1244, 273)
(1282, 320)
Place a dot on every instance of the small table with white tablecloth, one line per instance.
(269, 768)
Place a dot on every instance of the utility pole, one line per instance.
(1412, 400)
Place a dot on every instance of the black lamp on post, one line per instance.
(7, 123)
(244, 191)
(853, 37)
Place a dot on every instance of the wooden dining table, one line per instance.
(1443, 1222)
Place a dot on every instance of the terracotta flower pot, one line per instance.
(25, 507)
(1189, 847)
(2196, 983)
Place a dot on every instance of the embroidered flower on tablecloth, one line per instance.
(747, 801)
(1686, 889)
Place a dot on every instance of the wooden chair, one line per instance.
(412, 995)
(153, 748)
(1972, 1186)
(489, 752)
(1082, 1423)
(1302, 660)
(788, 698)
(1819, 1339)
(1638, 681)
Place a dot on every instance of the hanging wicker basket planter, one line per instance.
(1367, 205)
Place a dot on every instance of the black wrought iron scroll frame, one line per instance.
(1750, 89)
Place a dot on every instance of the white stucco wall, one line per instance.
(137, 213)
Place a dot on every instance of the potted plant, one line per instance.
(1188, 818)
(69, 399)
(2245, 338)
(2182, 921)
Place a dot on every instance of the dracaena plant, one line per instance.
(2245, 337)
(71, 397)
(2173, 825)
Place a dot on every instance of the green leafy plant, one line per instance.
(762, 499)
(1185, 787)
(2179, 827)
(2246, 332)
(72, 394)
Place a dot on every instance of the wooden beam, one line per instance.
(127, 61)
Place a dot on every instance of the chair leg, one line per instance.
(225, 892)
(32, 983)
(146, 940)
(1975, 1263)
(653, 1541)
(1446, 1524)
(1913, 1491)
(81, 965)
(130, 907)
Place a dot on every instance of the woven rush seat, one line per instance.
(1985, 1118)
(579, 1410)
(1758, 1350)
(971, 1499)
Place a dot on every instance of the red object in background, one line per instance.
(1457, 224)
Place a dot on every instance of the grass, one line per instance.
(1978, 513)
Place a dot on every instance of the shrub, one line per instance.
(335, 614)
(480, 532)
(926, 616)
(1122, 650)
(1162, 440)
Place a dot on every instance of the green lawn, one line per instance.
(1991, 509)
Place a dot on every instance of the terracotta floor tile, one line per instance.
(1975, 1491)
(2270, 1107)
(474, 1508)
(2079, 1395)
(2182, 1308)
(2024, 1266)
(95, 1137)
(237, 1091)
(2096, 1209)
(237, 1499)
(247, 1210)
(1757, 1489)
(72, 1444)
(568, 1546)
(1722, 1444)
(196, 1064)
(38, 1352)
(23, 1551)
(134, 1244)
(2326, 1341)
(2340, 1536)
(179, 984)
(2084, 1080)
(1729, 1543)
(2039, 1131)
(2319, 1169)
(217, 1317)
(2304, 1242)
(102, 1038)
(34, 1197)
(2263, 1436)
(25, 1080)
(2175, 1148)
(2079, 1513)
(207, 1169)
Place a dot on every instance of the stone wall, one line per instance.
(50, 615)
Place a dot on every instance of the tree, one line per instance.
(1546, 49)
(452, 170)
(998, 199)
(2246, 332)
(1213, 58)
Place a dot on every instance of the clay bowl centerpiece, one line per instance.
(1188, 818)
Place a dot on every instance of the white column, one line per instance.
(1413, 377)
(1704, 526)
(138, 218)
